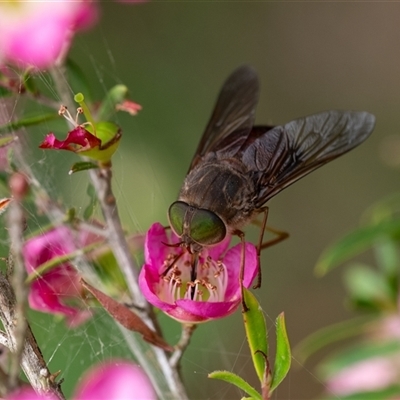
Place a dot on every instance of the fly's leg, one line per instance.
(242, 264)
(280, 235)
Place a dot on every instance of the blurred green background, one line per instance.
(174, 57)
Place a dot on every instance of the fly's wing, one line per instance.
(234, 112)
(284, 154)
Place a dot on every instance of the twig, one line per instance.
(32, 361)
(180, 347)
(15, 223)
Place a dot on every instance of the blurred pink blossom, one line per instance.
(53, 291)
(112, 380)
(37, 33)
(369, 375)
(115, 380)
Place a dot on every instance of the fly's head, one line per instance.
(197, 227)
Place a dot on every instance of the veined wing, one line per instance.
(284, 154)
(234, 112)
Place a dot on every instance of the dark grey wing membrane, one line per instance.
(284, 154)
(234, 112)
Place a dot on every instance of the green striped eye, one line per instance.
(204, 226)
(176, 216)
(207, 228)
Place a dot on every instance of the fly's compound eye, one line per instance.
(206, 228)
(176, 216)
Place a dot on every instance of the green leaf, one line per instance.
(356, 242)
(115, 96)
(387, 255)
(6, 140)
(367, 285)
(283, 357)
(329, 335)
(236, 380)
(28, 121)
(82, 166)
(256, 332)
(93, 200)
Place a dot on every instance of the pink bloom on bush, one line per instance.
(37, 33)
(365, 376)
(100, 146)
(113, 380)
(55, 290)
(215, 293)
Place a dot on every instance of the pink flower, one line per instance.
(116, 380)
(365, 376)
(98, 141)
(113, 380)
(78, 140)
(53, 291)
(37, 33)
(215, 293)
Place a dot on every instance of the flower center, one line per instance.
(210, 283)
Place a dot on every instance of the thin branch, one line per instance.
(180, 347)
(32, 361)
(15, 224)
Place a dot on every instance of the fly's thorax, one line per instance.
(223, 187)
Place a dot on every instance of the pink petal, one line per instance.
(48, 294)
(39, 249)
(215, 252)
(204, 310)
(154, 249)
(232, 260)
(148, 278)
(117, 380)
(77, 137)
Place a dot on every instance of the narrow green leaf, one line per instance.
(6, 140)
(115, 96)
(82, 166)
(283, 357)
(28, 121)
(93, 200)
(236, 380)
(356, 242)
(256, 332)
(329, 335)
(387, 255)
